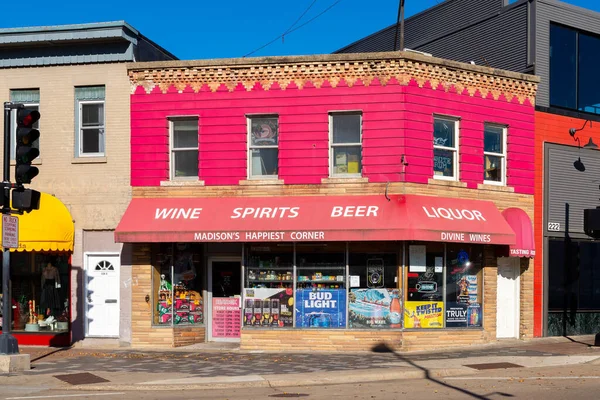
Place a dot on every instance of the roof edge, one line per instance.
(343, 57)
(70, 27)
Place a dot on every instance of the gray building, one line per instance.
(560, 43)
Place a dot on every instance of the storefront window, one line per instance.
(375, 301)
(177, 285)
(268, 288)
(464, 286)
(424, 306)
(40, 292)
(320, 288)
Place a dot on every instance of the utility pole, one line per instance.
(400, 23)
(8, 343)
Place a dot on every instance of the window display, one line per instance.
(268, 288)
(177, 285)
(375, 301)
(321, 286)
(463, 286)
(40, 288)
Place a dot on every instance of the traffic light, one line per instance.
(25, 153)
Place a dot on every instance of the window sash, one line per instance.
(333, 145)
(174, 150)
(454, 149)
(501, 156)
(254, 147)
(100, 127)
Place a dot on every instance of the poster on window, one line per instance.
(423, 314)
(375, 308)
(375, 273)
(321, 308)
(425, 286)
(461, 315)
(264, 131)
(272, 308)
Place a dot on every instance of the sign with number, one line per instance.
(554, 226)
(10, 231)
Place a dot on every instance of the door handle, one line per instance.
(110, 300)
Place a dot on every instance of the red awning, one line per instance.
(313, 218)
(521, 224)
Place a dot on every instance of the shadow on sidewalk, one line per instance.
(579, 342)
(50, 353)
(384, 348)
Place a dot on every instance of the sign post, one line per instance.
(8, 343)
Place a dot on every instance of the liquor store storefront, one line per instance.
(40, 276)
(314, 272)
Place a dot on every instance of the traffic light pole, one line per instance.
(8, 343)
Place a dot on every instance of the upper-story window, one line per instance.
(494, 154)
(90, 121)
(345, 144)
(445, 148)
(184, 148)
(263, 132)
(574, 60)
(30, 98)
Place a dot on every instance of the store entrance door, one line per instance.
(225, 303)
(102, 295)
(508, 298)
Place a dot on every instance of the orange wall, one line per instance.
(550, 128)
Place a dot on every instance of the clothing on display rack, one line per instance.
(50, 299)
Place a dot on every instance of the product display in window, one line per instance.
(178, 300)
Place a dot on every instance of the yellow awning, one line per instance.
(50, 228)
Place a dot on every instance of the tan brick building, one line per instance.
(76, 76)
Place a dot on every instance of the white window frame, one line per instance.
(80, 104)
(454, 149)
(249, 119)
(332, 145)
(13, 130)
(173, 150)
(502, 155)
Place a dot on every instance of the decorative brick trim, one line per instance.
(330, 71)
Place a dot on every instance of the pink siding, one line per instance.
(397, 122)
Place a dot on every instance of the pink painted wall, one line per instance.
(397, 120)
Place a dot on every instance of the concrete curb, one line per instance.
(284, 380)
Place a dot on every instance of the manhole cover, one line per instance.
(289, 395)
(494, 365)
(83, 378)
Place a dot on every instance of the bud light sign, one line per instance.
(321, 308)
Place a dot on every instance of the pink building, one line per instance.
(347, 198)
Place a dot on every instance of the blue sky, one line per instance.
(230, 28)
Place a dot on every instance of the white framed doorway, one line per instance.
(508, 298)
(225, 280)
(102, 297)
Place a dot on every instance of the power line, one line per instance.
(299, 18)
(295, 29)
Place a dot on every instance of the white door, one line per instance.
(508, 297)
(102, 295)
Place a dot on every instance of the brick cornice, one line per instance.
(283, 73)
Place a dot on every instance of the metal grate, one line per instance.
(494, 365)
(83, 378)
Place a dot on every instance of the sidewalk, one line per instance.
(221, 366)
